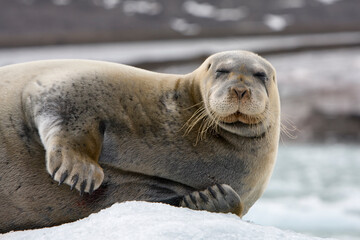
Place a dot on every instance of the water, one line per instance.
(315, 190)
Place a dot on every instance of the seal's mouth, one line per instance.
(245, 125)
(241, 119)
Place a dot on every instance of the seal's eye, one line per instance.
(221, 71)
(260, 75)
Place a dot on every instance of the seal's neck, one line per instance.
(191, 85)
(187, 85)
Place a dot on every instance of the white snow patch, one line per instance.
(206, 10)
(196, 9)
(182, 26)
(327, 2)
(141, 220)
(276, 22)
(142, 7)
(61, 2)
(107, 4)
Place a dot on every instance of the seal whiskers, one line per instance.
(200, 116)
(206, 125)
(289, 129)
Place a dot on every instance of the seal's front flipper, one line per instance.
(217, 198)
(72, 153)
(74, 167)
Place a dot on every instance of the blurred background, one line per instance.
(313, 44)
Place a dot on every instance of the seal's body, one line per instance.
(206, 140)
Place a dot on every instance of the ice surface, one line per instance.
(141, 220)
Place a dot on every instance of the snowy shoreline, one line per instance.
(142, 220)
(177, 50)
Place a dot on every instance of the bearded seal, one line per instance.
(206, 140)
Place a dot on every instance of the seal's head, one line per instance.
(239, 92)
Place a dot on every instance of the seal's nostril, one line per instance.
(240, 93)
(243, 93)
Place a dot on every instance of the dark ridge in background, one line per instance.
(46, 22)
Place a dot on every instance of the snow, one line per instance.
(107, 4)
(276, 22)
(206, 10)
(141, 220)
(142, 7)
(182, 26)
